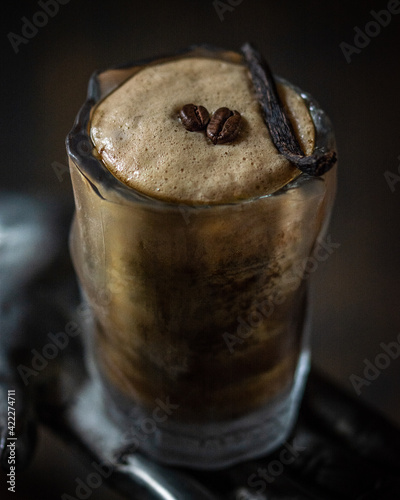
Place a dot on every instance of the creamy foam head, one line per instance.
(139, 137)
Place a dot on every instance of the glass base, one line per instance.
(205, 445)
(221, 444)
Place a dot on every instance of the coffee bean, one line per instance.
(194, 118)
(224, 126)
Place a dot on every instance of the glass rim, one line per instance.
(80, 147)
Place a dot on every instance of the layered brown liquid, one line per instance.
(171, 292)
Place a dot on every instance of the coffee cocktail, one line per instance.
(189, 234)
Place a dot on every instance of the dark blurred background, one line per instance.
(357, 289)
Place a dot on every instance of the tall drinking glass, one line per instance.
(199, 333)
